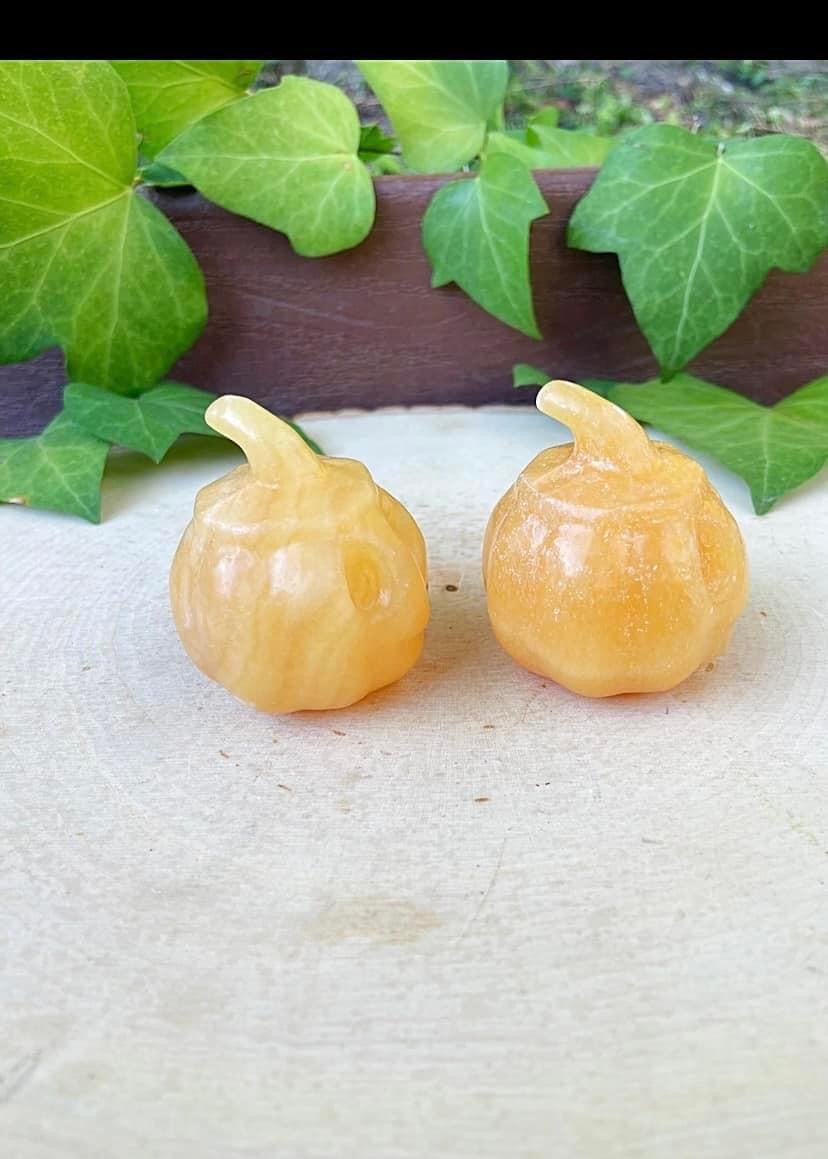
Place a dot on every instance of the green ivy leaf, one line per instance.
(385, 163)
(86, 262)
(476, 233)
(439, 108)
(525, 375)
(774, 449)
(153, 173)
(374, 143)
(697, 226)
(285, 157)
(554, 149)
(169, 95)
(149, 424)
(542, 145)
(512, 145)
(550, 115)
(377, 151)
(569, 148)
(60, 469)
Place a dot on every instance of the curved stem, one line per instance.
(603, 432)
(273, 448)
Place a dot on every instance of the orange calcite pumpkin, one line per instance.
(299, 584)
(612, 565)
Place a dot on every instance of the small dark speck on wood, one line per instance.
(481, 800)
(451, 587)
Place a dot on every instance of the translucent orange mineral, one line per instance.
(299, 583)
(612, 565)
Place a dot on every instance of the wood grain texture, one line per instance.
(364, 328)
(472, 917)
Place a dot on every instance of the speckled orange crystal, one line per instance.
(299, 583)
(612, 565)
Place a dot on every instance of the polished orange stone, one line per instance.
(299, 583)
(612, 565)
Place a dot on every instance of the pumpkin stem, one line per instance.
(273, 448)
(604, 433)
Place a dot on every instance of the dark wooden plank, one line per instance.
(364, 328)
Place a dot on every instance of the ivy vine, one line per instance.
(88, 263)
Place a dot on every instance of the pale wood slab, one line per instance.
(471, 917)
